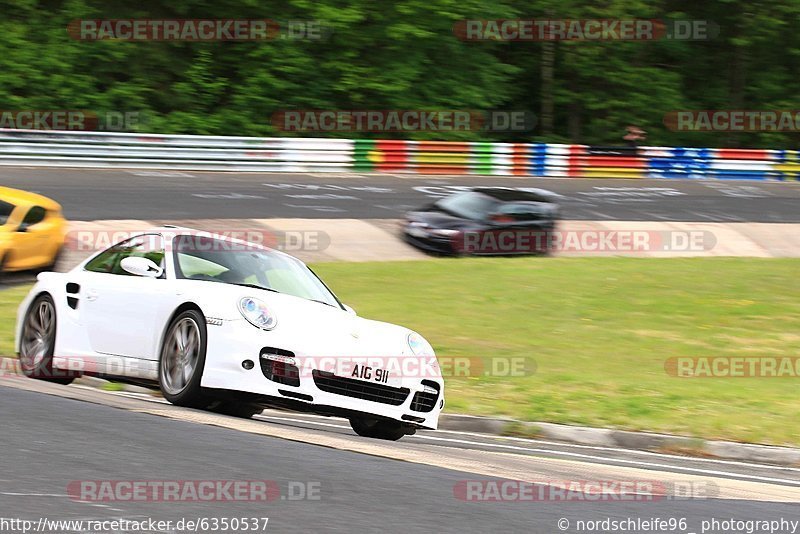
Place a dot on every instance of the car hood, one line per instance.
(321, 329)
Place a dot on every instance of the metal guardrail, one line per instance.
(39, 148)
(179, 152)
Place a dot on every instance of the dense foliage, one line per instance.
(404, 55)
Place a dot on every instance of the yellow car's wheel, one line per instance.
(53, 263)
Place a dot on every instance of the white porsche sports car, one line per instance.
(230, 326)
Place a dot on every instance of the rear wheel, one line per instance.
(380, 428)
(183, 356)
(38, 342)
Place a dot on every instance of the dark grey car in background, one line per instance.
(485, 221)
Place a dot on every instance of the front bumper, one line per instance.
(315, 390)
(436, 245)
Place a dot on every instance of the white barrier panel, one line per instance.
(179, 152)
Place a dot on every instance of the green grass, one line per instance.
(599, 331)
(9, 300)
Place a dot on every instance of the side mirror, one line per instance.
(22, 228)
(349, 310)
(141, 267)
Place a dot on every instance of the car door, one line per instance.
(120, 310)
(31, 240)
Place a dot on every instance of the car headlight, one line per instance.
(444, 232)
(257, 313)
(419, 346)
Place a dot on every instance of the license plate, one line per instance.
(377, 375)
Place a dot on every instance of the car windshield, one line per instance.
(216, 260)
(469, 205)
(5, 211)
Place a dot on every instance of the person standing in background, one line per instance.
(634, 136)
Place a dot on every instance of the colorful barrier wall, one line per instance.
(266, 154)
(575, 161)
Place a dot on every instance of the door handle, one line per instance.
(91, 295)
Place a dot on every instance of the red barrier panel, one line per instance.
(742, 153)
(394, 155)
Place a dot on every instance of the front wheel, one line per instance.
(183, 357)
(380, 428)
(38, 342)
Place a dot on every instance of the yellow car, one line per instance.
(32, 231)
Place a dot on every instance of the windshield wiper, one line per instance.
(255, 286)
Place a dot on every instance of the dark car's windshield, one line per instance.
(468, 205)
(5, 211)
(216, 260)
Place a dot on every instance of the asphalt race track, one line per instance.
(172, 195)
(75, 434)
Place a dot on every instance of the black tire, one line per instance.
(3, 273)
(38, 342)
(178, 386)
(242, 410)
(53, 263)
(379, 428)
